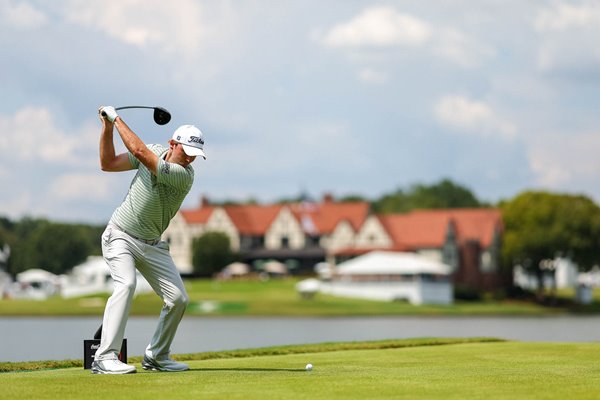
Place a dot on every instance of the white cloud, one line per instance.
(32, 135)
(472, 116)
(565, 161)
(92, 187)
(462, 49)
(566, 15)
(379, 27)
(145, 24)
(21, 15)
(569, 38)
(383, 27)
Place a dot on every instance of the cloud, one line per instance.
(472, 116)
(31, 134)
(569, 39)
(383, 27)
(80, 186)
(21, 15)
(379, 27)
(462, 49)
(563, 16)
(565, 160)
(143, 24)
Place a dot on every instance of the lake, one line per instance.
(60, 338)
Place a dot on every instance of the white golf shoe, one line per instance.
(165, 365)
(113, 367)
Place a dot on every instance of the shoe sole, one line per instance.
(149, 366)
(101, 372)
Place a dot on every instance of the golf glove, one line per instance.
(109, 113)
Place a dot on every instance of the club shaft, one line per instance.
(125, 107)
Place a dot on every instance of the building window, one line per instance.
(312, 240)
(285, 242)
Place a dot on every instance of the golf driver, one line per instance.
(161, 115)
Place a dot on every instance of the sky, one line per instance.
(344, 97)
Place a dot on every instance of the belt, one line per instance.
(151, 242)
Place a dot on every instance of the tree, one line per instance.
(38, 243)
(23, 252)
(444, 194)
(60, 247)
(211, 252)
(539, 226)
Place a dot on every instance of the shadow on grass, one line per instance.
(249, 369)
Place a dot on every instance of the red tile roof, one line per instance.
(197, 216)
(252, 219)
(324, 217)
(428, 228)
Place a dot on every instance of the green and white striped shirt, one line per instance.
(153, 200)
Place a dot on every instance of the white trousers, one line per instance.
(124, 254)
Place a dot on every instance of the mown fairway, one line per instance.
(479, 370)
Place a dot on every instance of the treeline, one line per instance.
(54, 247)
(443, 194)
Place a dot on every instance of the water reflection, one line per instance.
(26, 339)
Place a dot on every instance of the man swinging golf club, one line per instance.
(132, 238)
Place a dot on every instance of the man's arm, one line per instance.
(109, 161)
(135, 145)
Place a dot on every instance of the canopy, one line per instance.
(237, 268)
(392, 263)
(36, 275)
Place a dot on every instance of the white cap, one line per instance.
(192, 140)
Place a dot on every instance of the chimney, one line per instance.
(328, 198)
(204, 202)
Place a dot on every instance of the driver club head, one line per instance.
(161, 116)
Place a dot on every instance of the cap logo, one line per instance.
(196, 139)
(178, 137)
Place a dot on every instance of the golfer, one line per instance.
(132, 238)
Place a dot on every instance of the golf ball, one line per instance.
(309, 367)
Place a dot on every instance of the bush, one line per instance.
(211, 252)
(466, 294)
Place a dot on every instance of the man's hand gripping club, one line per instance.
(108, 112)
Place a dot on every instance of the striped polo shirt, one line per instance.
(153, 200)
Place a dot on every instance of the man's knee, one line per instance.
(126, 287)
(182, 300)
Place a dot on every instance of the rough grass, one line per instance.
(469, 369)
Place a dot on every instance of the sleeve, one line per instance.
(135, 163)
(174, 175)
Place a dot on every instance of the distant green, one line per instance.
(276, 297)
(465, 370)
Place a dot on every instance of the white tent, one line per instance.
(92, 276)
(234, 270)
(275, 267)
(392, 263)
(390, 276)
(35, 284)
(35, 275)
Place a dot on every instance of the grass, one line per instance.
(271, 298)
(463, 369)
